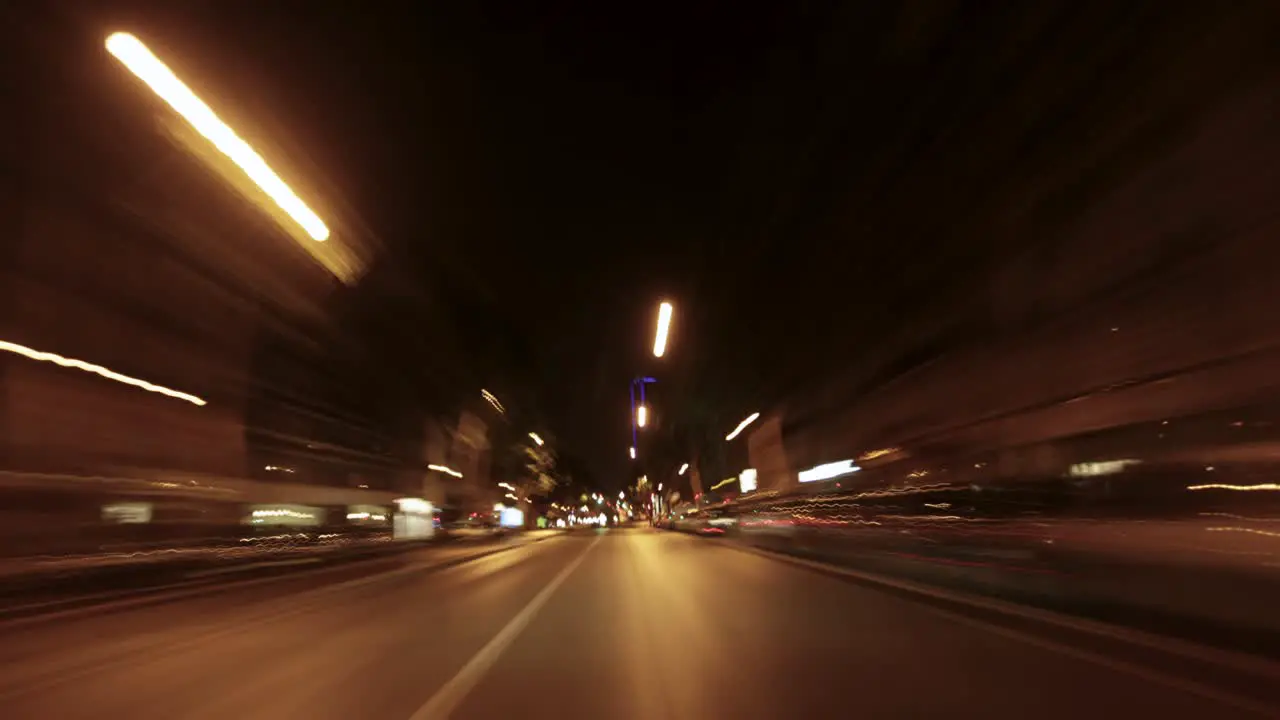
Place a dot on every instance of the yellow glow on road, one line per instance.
(135, 56)
(96, 370)
(664, 325)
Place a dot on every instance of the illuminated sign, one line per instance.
(511, 517)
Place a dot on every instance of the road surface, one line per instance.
(599, 624)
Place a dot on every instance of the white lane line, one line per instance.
(453, 692)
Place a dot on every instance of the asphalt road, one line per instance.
(602, 624)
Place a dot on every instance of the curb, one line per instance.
(71, 608)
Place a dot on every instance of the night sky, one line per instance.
(819, 187)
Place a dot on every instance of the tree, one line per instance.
(540, 470)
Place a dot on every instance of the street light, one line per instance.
(683, 468)
(664, 324)
(750, 419)
(638, 418)
(135, 56)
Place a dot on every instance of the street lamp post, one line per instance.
(665, 312)
(639, 413)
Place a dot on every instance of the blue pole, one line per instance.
(633, 412)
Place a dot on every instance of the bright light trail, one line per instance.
(828, 471)
(633, 452)
(97, 370)
(536, 438)
(130, 51)
(493, 400)
(683, 468)
(445, 470)
(664, 324)
(750, 419)
(642, 416)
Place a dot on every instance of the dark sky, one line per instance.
(550, 174)
(823, 189)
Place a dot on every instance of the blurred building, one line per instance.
(129, 246)
(1148, 301)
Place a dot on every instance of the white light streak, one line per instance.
(664, 325)
(135, 56)
(1241, 488)
(827, 471)
(445, 470)
(750, 419)
(97, 370)
(536, 438)
(493, 400)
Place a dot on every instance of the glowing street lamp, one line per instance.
(135, 56)
(664, 325)
(750, 419)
